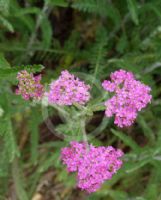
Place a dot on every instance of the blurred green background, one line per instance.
(94, 37)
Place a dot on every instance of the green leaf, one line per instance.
(6, 24)
(9, 139)
(61, 3)
(10, 73)
(118, 195)
(102, 8)
(148, 132)
(6, 130)
(50, 162)
(26, 11)
(104, 192)
(132, 5)
(127, 140)
(34, 122)
(19, 184)
(152, 7)
(46, 33)
(130, 167)
(4, 6)
(153, 188)
(122, 43)
(3, 62)
(97, 54)
(4, 162)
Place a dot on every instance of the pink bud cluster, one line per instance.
(94, 165)
(29, 86)
(67, 90)
(130, 96)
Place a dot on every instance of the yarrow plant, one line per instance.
(29, 86)
(67, 90)
(93, 165)
(130, 96)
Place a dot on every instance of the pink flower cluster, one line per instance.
(67, 90)
(93, 165)
(130, 96)
(29, 86)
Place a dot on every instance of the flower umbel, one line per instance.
(67, 90)
(29, 86)
(93, 166)
(130, 96)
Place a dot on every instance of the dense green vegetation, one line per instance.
(90, 38)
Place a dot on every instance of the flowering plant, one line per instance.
(93, 165)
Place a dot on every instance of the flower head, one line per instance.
(29, 86)
(93, 166)
(67, 90)
(130, 96)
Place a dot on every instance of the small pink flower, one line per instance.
(29, 86)
(93, 166)
(130, 96)
(67, 90)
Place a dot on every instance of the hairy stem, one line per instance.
(85, 139)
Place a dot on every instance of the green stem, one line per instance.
(85, 139)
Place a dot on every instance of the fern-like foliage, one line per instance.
(4, 11)
(4, 6)
(6, 24)
(6, 130)
(34, 121)
(98, 53)
(99, 7)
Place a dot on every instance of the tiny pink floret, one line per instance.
(67, 90)
(29, 86)
(94, 165)
(130, 96)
